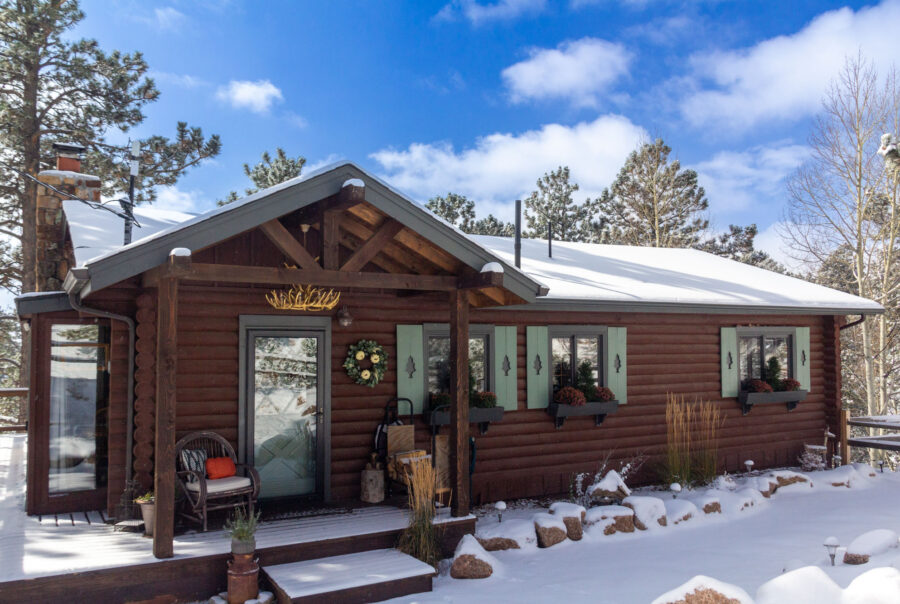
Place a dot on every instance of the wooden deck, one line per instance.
(49, 561)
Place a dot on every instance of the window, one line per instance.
(755, 351)
(574, 353)
(79, 394)
(437, 354)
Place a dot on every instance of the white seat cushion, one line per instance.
(220, 485)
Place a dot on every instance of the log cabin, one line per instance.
(134, 346)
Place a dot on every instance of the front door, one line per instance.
(286, 410)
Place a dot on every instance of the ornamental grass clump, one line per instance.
(421, 539)
(242, 526)
(570, 396)
(692, 441)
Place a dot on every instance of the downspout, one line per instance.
(75, 282)
(857, 322)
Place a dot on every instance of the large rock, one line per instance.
(468, 566)
(647, 511)
(705, 590)
(785, 478)
(680, 510)
(610, 488)
(572, 516)
(611, 518)
(550, 530)
(870, 544)
(496, 544)
(509, 534)
(471, 561)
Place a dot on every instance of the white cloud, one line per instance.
(501, 167)
(173, 198)
(751, 179)
(577, 70)
(296, 120)
(785, 77)
(331, 158)
(258, 96)
(168, 18)
(502, 10)
(179, 79)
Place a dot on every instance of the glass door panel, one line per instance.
(286, 407)
(78, 408)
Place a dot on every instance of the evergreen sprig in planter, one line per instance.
(571, 402)
(775, 391)
(483, 410)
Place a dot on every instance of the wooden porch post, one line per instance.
(459, 410)
(166, 366)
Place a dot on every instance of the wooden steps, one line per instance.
(369, 576)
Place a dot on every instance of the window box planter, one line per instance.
(599, 409)
(483, 416)
(790, 398)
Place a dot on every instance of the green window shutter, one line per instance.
(801, 357)
(617, 363)
(728, 361)
(411, 366)
(537, 366)
(506, 382)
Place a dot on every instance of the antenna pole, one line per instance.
(134, 158)
(549, 239)
(518, 233)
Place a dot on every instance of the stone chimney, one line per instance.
(54, 256)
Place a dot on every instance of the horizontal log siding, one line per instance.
(524, 455)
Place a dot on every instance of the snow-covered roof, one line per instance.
(592, 276)
(98, 233)
(629, 277)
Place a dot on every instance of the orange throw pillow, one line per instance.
(219, 467)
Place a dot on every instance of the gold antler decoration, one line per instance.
(307, 298)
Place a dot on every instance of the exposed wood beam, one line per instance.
(265, 275)
(288, 244)
(331, 239)
(393, 250)
(373, 245)
(459, 407)
(166, 370)
(409, 239)
(479, 280)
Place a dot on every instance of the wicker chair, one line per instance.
(203, 495)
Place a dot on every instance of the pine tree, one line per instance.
(53, 87)
(552, 203)
(654, 202)
(268, 173)
(459, 211)
(491, 225)
(738, 244)
(456, 209)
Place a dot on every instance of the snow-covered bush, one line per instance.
(580, 486)
(811, 461)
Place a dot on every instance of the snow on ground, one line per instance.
(747, 546)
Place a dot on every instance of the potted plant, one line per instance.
(483, 408)
(771, 390)
(243, 570)
(585, 398)
(242, 528)
(147, 501)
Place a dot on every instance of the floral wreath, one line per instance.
(362, 350)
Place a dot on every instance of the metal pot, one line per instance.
(241, 547)
(148, 511)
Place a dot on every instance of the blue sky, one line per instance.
(482, 98)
